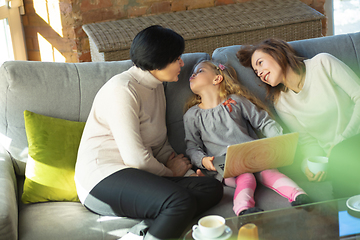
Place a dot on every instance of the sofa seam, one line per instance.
(6, 101)
(79, 85)
(356, 52)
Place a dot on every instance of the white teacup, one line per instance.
(211, 226)
(317, 164)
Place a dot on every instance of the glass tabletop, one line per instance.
(322, 220)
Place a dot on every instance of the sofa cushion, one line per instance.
(8, 200)
(61, 90)
(69, 220)
(53, 145)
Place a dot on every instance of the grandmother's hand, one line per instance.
(179, 164)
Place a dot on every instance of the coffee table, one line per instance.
(323, 220)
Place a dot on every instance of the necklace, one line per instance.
(302, 79)
(300, 84)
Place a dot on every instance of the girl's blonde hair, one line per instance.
(229, 85)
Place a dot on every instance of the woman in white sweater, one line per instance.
(126, 166)
(320, 99)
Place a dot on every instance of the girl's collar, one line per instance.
(222, 102)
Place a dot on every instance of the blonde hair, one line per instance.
(229, 85)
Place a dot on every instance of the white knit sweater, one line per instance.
(327, 109)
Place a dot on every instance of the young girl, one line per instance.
(223, 113)
(320, 99)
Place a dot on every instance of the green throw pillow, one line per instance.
(53, 145)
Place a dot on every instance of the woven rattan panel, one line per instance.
(206, 29)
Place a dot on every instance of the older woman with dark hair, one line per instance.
(125, 166)
(320, 99)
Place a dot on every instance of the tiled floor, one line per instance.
(346, 16)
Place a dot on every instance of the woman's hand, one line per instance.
(207, 162)
(179, 164)
(320, 176)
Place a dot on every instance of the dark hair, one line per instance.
(282, 53)
(155, 47)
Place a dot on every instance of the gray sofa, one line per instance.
(66, 90)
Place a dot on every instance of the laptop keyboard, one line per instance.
(222, 166)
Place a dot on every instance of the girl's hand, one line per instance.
(320, 176)
(197, 174)
(179, 164)
(207, 162)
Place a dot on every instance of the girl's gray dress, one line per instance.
(208, 132)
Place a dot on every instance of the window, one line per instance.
(12, 44)
(346, 16)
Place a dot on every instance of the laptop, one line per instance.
(257, 155)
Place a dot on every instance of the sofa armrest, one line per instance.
(8, 198)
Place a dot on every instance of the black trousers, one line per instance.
(344, 167)
(169, 203)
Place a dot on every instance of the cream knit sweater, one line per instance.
(125, 128)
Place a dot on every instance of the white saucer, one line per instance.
(353, 205)
(197, 235)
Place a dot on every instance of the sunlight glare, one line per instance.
(55, 16)
(118, 233)
(58, 57)
(107, 218)
(49, 11)
(5, 141)
(40, 7)
(47, 52)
